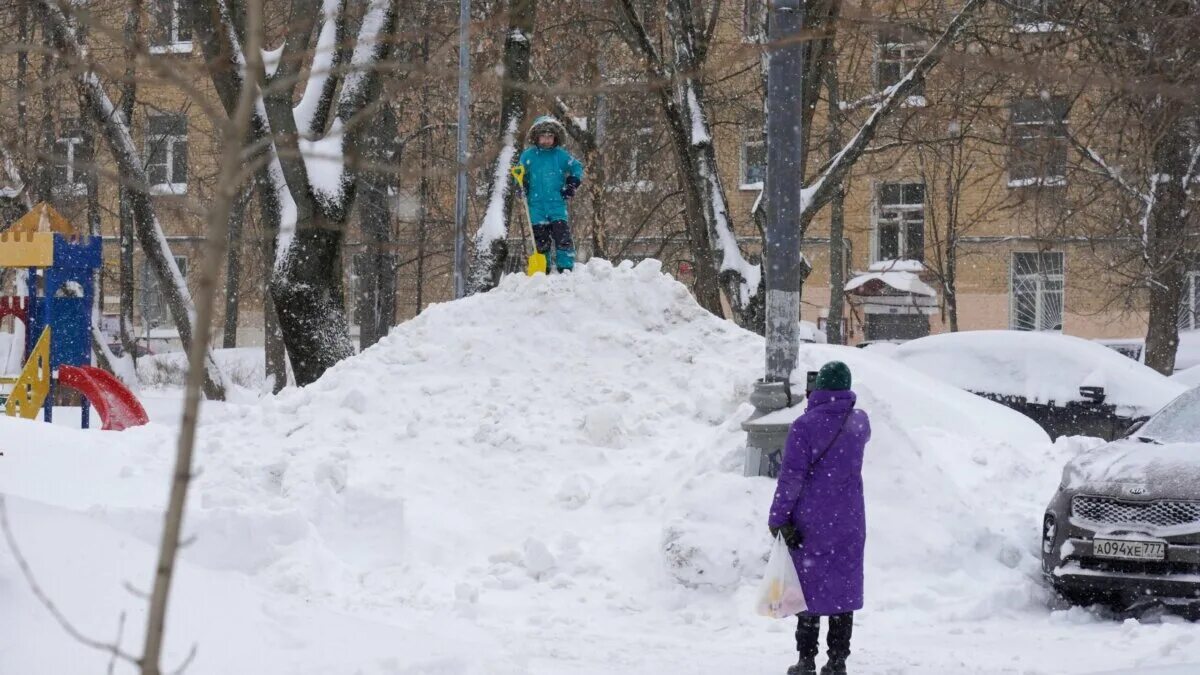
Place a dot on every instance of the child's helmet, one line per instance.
(546, 124)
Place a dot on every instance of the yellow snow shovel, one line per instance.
(537, 261)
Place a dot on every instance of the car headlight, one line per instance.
(1049, 530)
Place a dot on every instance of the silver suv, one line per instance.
(1124, 526)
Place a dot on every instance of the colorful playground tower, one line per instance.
(56, 315)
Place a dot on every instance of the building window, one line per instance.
(154, 307)
(639, 160)
(167, 146)
(899, 50)
(754, 159)
(1189, 306)
(900, 225)
(68, 174)
(1036, 295)
(754, 20)
(1037, 153)
(1035, 16)
(172, 27)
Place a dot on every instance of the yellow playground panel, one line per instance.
(26, 249)
(33, 384)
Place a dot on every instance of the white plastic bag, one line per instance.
(781, 595)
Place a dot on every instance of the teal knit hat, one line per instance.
(833, 376)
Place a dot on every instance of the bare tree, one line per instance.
(301, 139)
(116, 132)
(491, 247)
(1135, 129)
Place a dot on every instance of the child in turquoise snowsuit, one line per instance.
(551, 177)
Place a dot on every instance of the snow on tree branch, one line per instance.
(315, 96)
(821, 190)
(493, 226)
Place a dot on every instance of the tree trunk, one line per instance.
(275, 353)
(376, 265)
(837, 221)
(491, 244)
(233, 268)
(306, 290)
(132, 40)
(1166, 241)
(953, 201)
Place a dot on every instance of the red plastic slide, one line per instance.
(118, 408)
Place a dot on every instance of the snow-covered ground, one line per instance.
(542, 479)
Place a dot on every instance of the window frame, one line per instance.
(1189, 305)
(911, 48)
(639, 159)
(171, 186)
(902, 207)
(1048, 134)
(748, 140)
(1040, 277)
(173, 43)
(152, 292)
(75, 185)
(1031, 16)
(754, 28)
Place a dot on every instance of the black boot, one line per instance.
(834, 666)
(808, 633)
(807, 665)
(841, 626)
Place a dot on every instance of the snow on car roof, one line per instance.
(1041, 367)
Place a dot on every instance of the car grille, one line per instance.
(1155, 567)
(1159, 513)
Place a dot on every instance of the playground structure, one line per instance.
(56, 314)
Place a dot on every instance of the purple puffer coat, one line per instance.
(820, 491)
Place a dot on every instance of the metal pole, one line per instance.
(464, 102)
(785, 177)
(781, 249)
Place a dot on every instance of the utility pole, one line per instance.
(767, 432)
(464, 102)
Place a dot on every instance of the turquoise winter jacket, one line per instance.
(546, 172)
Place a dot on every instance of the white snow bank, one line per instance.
(1042, 367)
(1188, 353)
(1188, 378)
(544, 478)
(243, 366)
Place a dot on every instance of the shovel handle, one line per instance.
(518, 173)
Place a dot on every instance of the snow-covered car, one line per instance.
(1134, 348)
(1124, 525)
(1069, 385)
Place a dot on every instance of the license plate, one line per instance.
(1129, 550)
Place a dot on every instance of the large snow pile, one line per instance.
(1042, 367)
(1188, 354)
(1188, 378)
(541, 479)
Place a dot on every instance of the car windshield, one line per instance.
(1179, 422)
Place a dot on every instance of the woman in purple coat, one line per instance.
(819, 510)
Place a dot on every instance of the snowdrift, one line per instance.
(541, 479)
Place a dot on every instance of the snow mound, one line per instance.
(243, 366)
(1188, 378)
(1042, 367)
(541, 479)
